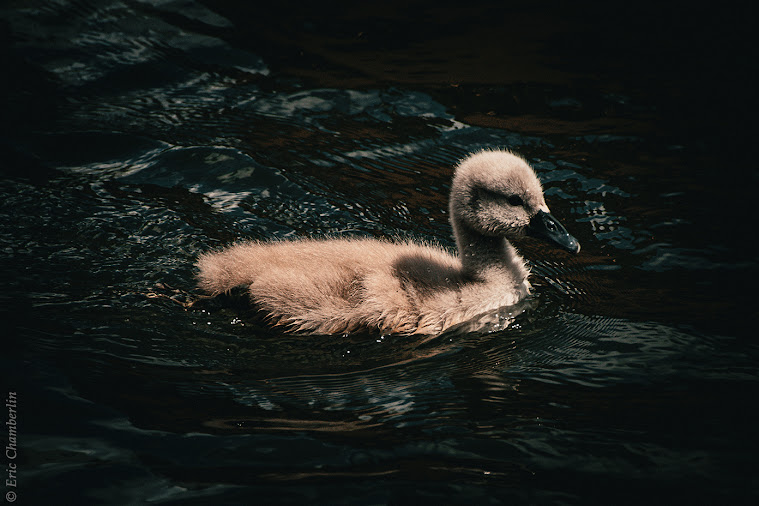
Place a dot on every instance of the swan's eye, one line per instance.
(497, 197)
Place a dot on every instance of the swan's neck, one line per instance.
(481, 254)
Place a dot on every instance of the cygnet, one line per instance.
(329, 286)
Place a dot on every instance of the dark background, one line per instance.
(634, 380)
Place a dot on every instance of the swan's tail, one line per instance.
(220, 271)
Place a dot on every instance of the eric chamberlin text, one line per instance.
(11, 449)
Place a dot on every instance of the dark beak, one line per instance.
(546, 227)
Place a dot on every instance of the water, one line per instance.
(139, 134)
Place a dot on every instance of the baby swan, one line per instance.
(339, 285)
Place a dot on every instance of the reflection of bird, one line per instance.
(338, 285)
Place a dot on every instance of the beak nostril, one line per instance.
(545, 226)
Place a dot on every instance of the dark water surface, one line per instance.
(139, 134)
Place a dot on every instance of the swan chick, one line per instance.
(332, 286)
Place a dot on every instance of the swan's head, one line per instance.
(497, 194)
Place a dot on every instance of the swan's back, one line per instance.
(301, 262)
(329, 286)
